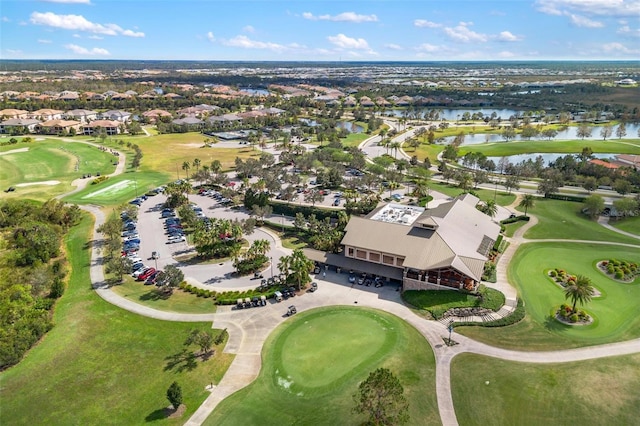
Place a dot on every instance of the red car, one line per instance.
(146, 274)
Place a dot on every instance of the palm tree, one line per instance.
(186, 166)
(196, 164)
(421, 189)
(297, 265)
(580, 290)
(527, 202)
(490, 208)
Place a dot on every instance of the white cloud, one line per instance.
(422, 23)
(625, 30)
(249, 29)
(345, 42)
(393, 46)
(80, 23)
(246, 43)
(342, 17)
(613, 48)
(430, 48)
(211, 37)
(5, 19)
(508, 36)
(96, 37)
(462, 33)
(590, 7)
(68, 1)
(76, 36)
(583, 21)
(84, 51)
(43, 41)
(14, 51)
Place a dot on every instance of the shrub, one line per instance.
(516, 316)
(611, 269)
(574, 318)
(553, 273)
(619, 274)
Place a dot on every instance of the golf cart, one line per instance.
(292, 310)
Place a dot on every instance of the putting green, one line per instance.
(314, 354)
(314, 362)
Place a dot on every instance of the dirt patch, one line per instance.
(172, 413)
(194, 145)
(45, 182)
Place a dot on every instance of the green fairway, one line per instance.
(179, 301)
(615, 312)
(313, 363)
(49, 161)
(166, 153)
(564, 219)
(488, 391)
(502, 198)
(501, 149)
(118, 189)
(103, 365)
(629, 224)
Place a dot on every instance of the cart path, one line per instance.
(249, 328)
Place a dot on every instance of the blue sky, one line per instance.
(328, 30)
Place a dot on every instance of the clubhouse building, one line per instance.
(445, 247)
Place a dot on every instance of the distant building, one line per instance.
(110, 127)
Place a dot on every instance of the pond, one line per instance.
(568, 134)
(546, 157)
(456, 113)
(350, 126)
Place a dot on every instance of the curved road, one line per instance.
(249, 328)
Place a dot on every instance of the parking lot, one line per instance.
(211, 275)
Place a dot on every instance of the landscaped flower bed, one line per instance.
(561, 277)
(619, 270)
(567, 315)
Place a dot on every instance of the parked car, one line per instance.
(176, 239)
(314, 287)
(136, 274)
(143, 276)
(151, 279)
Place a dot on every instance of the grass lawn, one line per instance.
(615, 312)
(313, 363)
(629, 224)
(118, 189)
(179, 301)
(47, 160)
(166, 153)
(103, 365)
(502, 198)
(489, 391)
(501, 149)
(437, 302)
(511, 228)
(426, 150)
(564, 219)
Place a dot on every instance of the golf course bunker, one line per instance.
(324, 348)
(14, 151)
(46, 182)
(111, 190)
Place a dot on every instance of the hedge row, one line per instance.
(225, 297)
(516, 316)
(292, 209)
(515, 219)
(563, 197)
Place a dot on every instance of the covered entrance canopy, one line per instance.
(346, 263)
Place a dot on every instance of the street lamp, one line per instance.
(271, 261)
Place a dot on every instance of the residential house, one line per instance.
(115, 114)
(57, 127)
(47, 114)
(111, 127)
(18, 125)
(81, 115)
(13, 113)
(190, 123)
(155, 114)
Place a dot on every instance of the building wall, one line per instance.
(411, 284)
(387, 259)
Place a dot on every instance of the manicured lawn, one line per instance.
(426, 150)
(119, 189)
(502, 198)
(500, 149)
(629, 224)
(489, 391)
(103, 365)
(166, 153)
(615, 312)
(179, 301)
(564, 219)
(511, 228)
(48, 160)
(437, 302)
(313, 363)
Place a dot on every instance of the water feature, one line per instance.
(456, 113)
(547, 157)
(350, 126)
